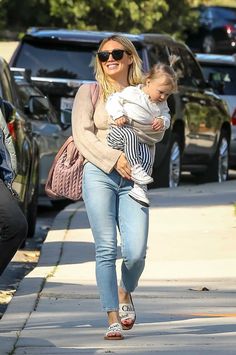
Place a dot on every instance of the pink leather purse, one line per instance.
(65, 175)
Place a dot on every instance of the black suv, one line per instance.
(27, 153)
(198, 140)
(216, 32)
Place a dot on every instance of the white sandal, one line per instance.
(127, 312)
(114, 332)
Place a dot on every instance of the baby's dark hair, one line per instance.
(161, 70)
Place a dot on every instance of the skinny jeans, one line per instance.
(109, 206)
(13, 226)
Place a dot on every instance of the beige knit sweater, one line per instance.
(90, 128)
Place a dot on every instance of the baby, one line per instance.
(140, 117)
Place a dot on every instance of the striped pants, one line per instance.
(136, 152)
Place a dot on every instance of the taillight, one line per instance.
(233, 118)
(11, 129)
(230, 29)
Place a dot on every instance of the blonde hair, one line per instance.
(134, 72)
(164, 70)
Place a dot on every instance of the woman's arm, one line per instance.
(83, 131)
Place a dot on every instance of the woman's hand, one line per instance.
(122, 167)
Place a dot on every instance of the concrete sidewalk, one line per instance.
(186, 300)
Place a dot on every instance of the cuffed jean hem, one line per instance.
(107, 309)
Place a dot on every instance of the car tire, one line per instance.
(170, 171)
(208, 44)
(218, 168)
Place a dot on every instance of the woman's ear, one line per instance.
(130, 59)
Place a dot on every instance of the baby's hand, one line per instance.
(121, 121)
(158, 124)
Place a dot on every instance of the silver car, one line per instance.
(46, 126)
(220, 71)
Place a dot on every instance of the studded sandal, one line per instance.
(127, 315)
(114, 332)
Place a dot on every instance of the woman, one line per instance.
(106, 184)
(13, 225)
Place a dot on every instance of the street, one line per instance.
(186, 295)
(26, 259)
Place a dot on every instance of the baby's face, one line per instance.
(158, 89)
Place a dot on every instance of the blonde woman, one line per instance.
(107, 183)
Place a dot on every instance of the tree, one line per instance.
(134, 16)
(18, 16)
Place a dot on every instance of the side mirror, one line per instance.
(37, 105)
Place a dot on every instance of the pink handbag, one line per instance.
(65, 176)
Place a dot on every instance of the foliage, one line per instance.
(2, 12)
(27, 13)
(134, 16)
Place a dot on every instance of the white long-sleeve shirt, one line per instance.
(135, 104)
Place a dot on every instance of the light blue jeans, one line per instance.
(108, 205)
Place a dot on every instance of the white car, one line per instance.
(220, 71)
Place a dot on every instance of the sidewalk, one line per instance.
(186, 300)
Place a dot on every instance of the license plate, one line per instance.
(66, 108)
(66, 103)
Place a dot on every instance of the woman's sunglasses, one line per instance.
(117, 54)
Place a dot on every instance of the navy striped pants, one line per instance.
(136, 152)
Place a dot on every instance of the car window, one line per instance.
(178, 65)
(228, 74)
(58, 60)
(192, 72)
(157, 54)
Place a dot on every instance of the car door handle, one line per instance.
(185, 99)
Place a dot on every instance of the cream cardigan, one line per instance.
(90, 128)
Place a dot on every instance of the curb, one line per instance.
(28, 292)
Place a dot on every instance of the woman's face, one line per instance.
(117, 70)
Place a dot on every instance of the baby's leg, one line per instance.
(125, 139)
(146, 157)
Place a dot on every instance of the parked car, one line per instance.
(26, 181)
(220, 71)
(198, 140)
(46, 126)
(216, 30)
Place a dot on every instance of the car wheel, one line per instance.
(170, 170)
(219, 166)
(208, 45)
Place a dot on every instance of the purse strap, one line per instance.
(94, 92)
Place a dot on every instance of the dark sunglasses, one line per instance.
(117, 54)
